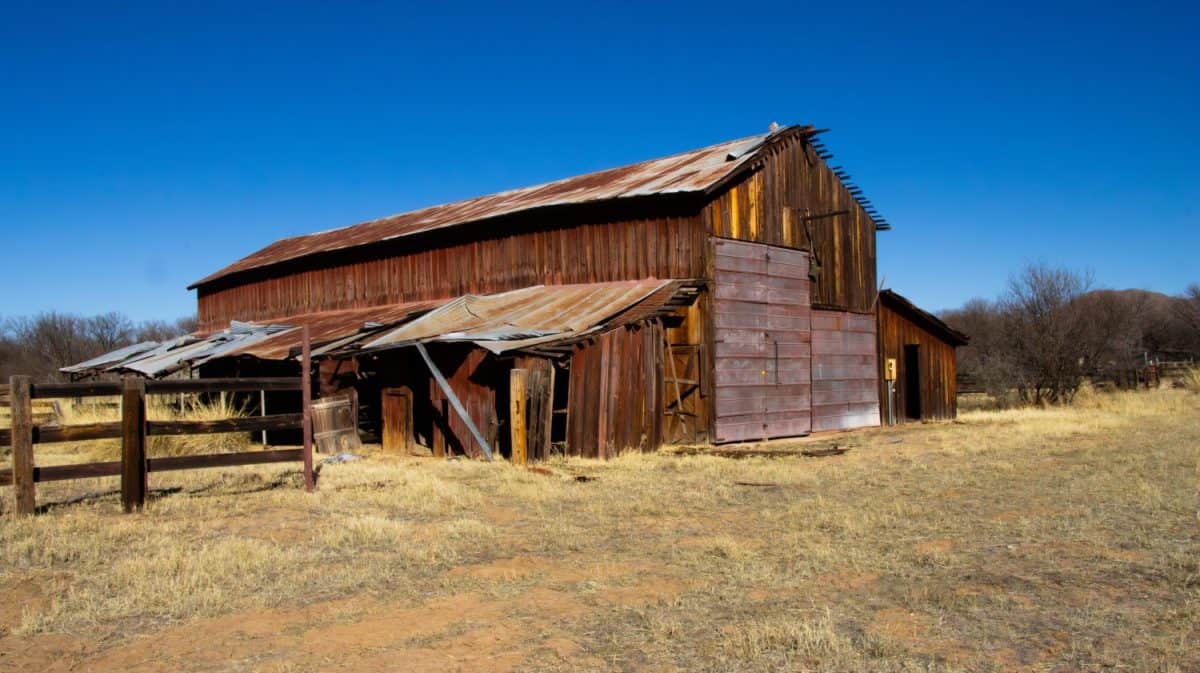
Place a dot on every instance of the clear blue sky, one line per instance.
(143, 147)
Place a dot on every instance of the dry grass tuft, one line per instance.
(158, 408)
(1191, 380)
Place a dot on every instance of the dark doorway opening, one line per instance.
(912, 381)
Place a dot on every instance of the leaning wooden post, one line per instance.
(22, 444)
(310, 482)
(133, 444)
(518, 381)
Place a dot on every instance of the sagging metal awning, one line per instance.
(168, 357)
(537, 318)
(523, 318)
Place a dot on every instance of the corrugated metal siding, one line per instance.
(845, 370)
(661, 247)
(939, 390)
(762, 341)
(770, 206)
(615, 399)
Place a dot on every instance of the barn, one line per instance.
(722, 294)
(921, 349)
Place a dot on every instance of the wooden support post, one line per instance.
(541, 409)
(454, 401)
(133, 444)
(310, 480)
(518, 383)
(22, 444)
(262, 411)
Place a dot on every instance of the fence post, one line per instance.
(518, 384)
(310, 482)
(22, 444)
(133, 443)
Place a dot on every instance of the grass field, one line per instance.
(1051, 540)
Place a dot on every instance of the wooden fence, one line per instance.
(134, 428)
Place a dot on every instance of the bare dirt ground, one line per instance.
(1054, 540)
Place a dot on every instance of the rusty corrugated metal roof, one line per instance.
(690, 172)
(332, 326)
(111, 358)
(162, 358)
(523, 318)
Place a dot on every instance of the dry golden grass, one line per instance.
(1030, 540)
(1191, 380)
(158, 408)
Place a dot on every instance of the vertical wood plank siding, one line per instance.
(770, 206)
(616, 393)
(475, 379)
(658, 247)
(692, 351)
(845, 371)
(939, 391)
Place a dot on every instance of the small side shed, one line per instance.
(922, 349)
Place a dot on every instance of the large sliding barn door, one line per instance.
(762, 316)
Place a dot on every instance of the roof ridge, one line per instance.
(690, 171)
(535, 186)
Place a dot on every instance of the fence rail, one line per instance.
(134, 428)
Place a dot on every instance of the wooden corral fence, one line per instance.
(134, 428)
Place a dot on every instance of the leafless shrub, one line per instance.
(1050, 331)
(39, 345)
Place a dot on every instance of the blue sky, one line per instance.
(144, 146)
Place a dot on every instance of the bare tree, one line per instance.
(40, 345)
(107, 331)
(1050, 330)
(1046, 327)
(1187, 310)
(161, 330)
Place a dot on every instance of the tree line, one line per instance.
(39, 345)
(1051, 329)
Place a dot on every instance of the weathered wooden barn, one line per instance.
(719, 295)
(922, 348)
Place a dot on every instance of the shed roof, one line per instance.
(697, 171)
(925, 319)
(531, 316)
(329, 327)
(536, 319)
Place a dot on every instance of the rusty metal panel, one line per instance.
(763, 335)
(689, 172)
(523, 318)
(167, 357)
(845, 371)
(331, 326)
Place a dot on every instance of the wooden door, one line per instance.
(741, 358)
(762, 319)
(788, 339)
(398, 420)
